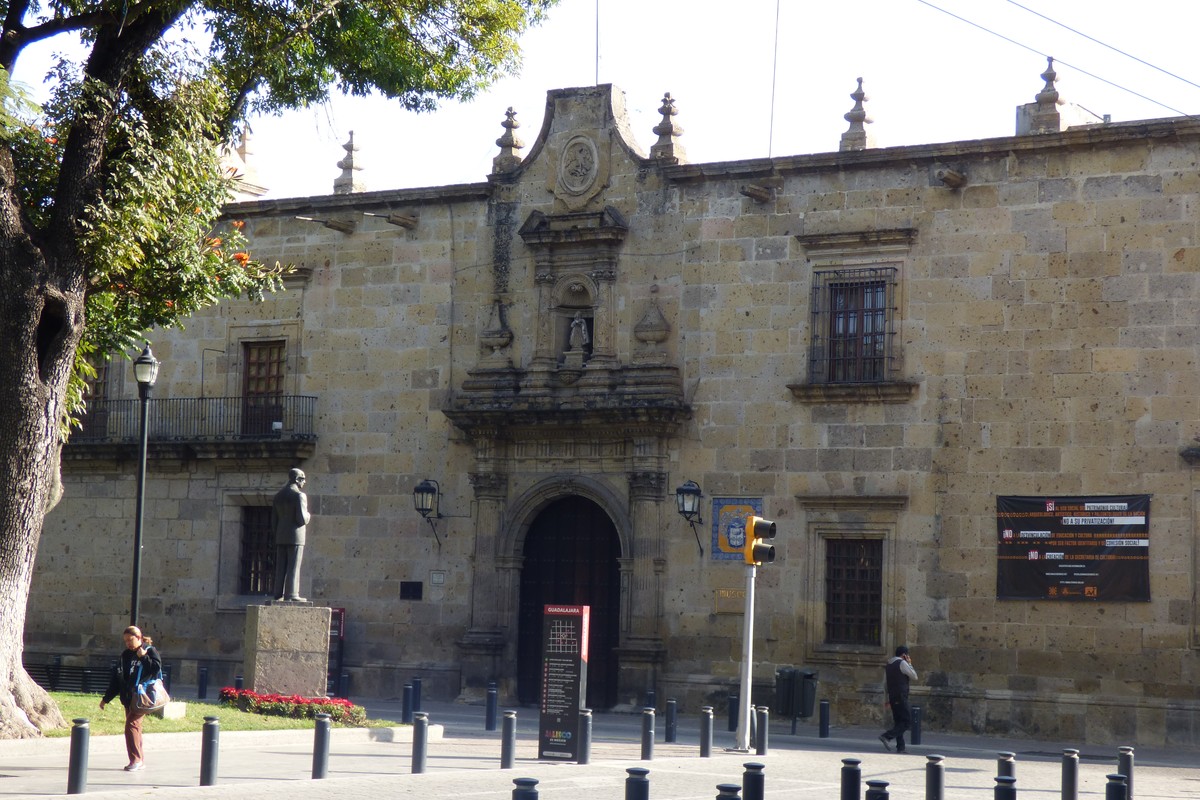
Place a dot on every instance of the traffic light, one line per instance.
(759, 533)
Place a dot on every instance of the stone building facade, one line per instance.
(869, 346)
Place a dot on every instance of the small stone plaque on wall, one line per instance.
(729, 601)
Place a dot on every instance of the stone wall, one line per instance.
(1046, 345)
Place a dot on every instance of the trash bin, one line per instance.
(807, 691)
(786, 690)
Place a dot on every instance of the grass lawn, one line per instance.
(111, 721)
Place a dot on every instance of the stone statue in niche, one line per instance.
(576, 351)
(579, 333)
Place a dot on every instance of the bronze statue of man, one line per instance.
(290, 513)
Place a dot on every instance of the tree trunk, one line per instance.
(41, 319)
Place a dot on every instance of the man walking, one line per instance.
(898, 671)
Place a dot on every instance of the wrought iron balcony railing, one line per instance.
(200, 419)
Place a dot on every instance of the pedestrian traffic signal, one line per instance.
(759, 533)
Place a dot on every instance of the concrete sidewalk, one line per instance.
(277, 765)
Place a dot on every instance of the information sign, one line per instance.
(1073, 548)
(564, 680)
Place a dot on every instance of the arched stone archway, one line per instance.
(571, 555)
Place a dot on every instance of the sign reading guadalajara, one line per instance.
(1073, 548)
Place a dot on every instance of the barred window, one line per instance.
(256, 568)
(854, 317)
(853, 591)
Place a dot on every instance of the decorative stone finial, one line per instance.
(856, 137)
(348, 182)
(1044, 114)
(1047, 98)
(668, 148)
(509, 157)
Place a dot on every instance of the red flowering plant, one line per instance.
(339, 709)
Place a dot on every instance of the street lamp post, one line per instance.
(145, 370)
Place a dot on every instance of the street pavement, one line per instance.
(463, 761)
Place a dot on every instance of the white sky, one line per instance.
(929, 78)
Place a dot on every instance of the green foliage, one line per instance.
(148, 238)
(414, 51)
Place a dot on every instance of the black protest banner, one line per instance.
(1073, 548)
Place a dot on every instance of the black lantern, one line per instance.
(425, 498)
(687, 502)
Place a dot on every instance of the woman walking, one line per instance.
(140, 662)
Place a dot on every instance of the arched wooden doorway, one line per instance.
(570, 556)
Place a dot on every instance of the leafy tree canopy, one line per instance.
(111, 196)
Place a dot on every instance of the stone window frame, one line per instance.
(849, 254)
(229, 548)
(851, 517)
(238, 336)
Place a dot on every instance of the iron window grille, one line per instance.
(854, 325)
(256, 570)
(853, 591)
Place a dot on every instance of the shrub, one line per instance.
(339, 709)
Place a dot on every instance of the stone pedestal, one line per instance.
(286, 650)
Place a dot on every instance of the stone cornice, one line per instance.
(360, 201)
(832, 393)
(859, 502)
(1173, 128)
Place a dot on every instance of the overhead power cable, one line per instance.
(1104, 44)
(1058, 61)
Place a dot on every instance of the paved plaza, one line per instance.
(465, 763)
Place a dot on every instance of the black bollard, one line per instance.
(525, 789)
(733, 712)
(652, 699)
(876, 790)
(508, 740)
(1125, 767)
(489, 715)
(1116, 789)
(728, 791)
(416, 703)
(166, 677)
(672, 721)
(202, 684)
(851, 779)
(763, 726)
(210, 740)
(706, 731)
(420, 741)
(344, 685)
(78, 765)
(585, 736)
(637, 785)
(1006, 765)
(753, 781)
(1005, 789)
(1070, 775)
(320, 764)
(406, 705)
(647, 734)
(915, 734)
(237, 682)
(935, 777)
(824, 724)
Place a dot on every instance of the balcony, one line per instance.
(198, 428)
